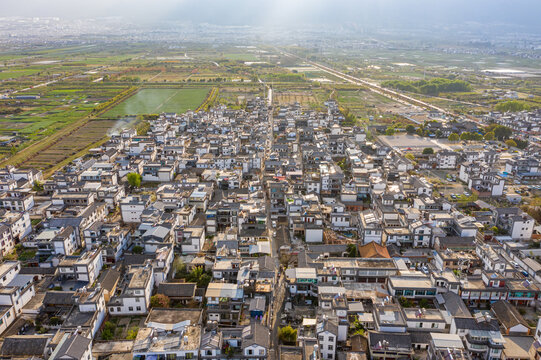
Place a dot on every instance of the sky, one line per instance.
(522, 14)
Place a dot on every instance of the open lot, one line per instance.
(153, 101)
(404, 142)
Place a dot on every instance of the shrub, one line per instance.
(132, 333)
(160, 300)
(288, 335)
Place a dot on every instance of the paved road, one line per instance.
(276, 313)
(279, 293)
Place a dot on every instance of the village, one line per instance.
(270, 233)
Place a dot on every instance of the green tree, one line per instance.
(390, 131)
(134, 179)
(37, 186)
(138, 249)
(511, 143)
(410, 156)
(160, 300)
(288, 335)
(521, 144)
(423, 303)
(489, 136)
(405, 302)
(465, 136)
(410, 129)
(55, 320)
(453, 137)
(502, 132)
(428, 151)
(108, 330)
(512, 106)
(199, 276)
(352, 250)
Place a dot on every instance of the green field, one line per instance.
(154, 101)
(13, 74)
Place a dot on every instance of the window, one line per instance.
(261, 352)
(130, 308)
(329, 356)
(249, 351)
(138, 308)
(137, 299)
(330, 347)
(331, 338)
(118, 309)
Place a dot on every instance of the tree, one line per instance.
(199, 276)
(423, 303)
(439, 134)
(410, 156)
(55, 320)
(108, 330)
(502, 132)
(489, 136)
(37, 186)
(405, 302)
(428, 151)
(288, 335)
(465, 136)
(134, 179)
(453, 137)
(410, 129)
(521, 144)
(352, 250)
(512, 106)
(160, 300)
(390, 131)
(138, 249)
(511, 143)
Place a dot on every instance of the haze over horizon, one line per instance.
(519, 16)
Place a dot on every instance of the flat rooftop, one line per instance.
(174, 316)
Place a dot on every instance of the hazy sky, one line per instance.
(523, 14)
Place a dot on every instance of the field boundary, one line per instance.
(209, 100)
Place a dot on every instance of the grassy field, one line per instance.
(153, 101)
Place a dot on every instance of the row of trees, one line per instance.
(493, 132)
(512, 106)
(433, 86)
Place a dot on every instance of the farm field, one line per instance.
(364, 103)
(235, 95)
(152, 101)
(30, 120)
(305, 98)
(69, 145)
